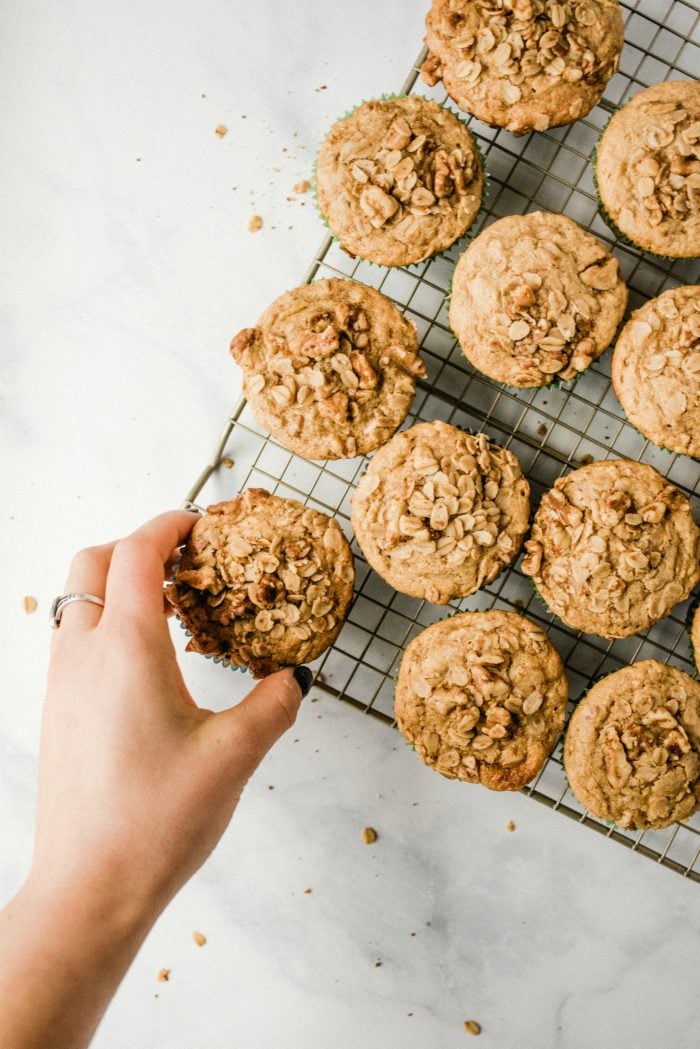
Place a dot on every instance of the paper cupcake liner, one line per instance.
(436, 254)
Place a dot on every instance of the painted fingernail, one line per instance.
(303, 678)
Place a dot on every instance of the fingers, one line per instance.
(136, 573)
(243, 735)
(87, 575)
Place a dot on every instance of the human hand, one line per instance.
(136, 785)
(136, 782)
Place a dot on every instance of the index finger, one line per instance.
(136, 571)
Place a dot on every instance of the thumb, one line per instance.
(246, 732)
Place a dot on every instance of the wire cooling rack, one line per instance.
(550, 430)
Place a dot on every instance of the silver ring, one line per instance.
(59, 603)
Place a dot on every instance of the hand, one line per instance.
(136, 782)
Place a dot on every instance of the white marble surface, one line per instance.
(126, 267)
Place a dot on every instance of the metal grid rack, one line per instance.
(551, 430)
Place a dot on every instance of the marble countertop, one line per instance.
(127, 266)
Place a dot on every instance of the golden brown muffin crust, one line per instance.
(648, 169)
(482, 695)
(330, 370)
(534, 298)
(263, 582)
(656, 370)
(523, 64)
(399, 180)
(632, 748)
(613, 547)
(439, 512)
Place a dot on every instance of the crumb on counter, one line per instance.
(199, 938)
(510, 825)
(586, 459)
(307, 891)
(220, 130)
(255, 223)
(472, 1027)
(302, 187)
(369, 835)
(29, 604)
(227, 463)
(163, 975)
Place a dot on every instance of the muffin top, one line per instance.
(330, 370)
(632, 746)
(535, 298)
(613, 548)
(263, 582)
(648, 169)
(656, 370)
(525, 65)
(399, 180)
(439, 512)
(482, 695)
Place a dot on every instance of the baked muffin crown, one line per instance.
(398, 180)
(482, 696)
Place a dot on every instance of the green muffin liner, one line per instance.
(437, 254)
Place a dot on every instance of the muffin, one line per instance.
(535, 298)
(399, 180)
(656, 370)
(439, 512)
(331, 369)
(482, 696)
(632, 748)
(613, 548)
(647, 168)
(524, 65)
(263, 582)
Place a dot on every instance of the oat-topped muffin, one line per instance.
(656, 370)
(331, 369)
(632, 748)
(525, 65)
(535, 298)
(482, 695)
(439, 512)
(613, 548)
(648, 169)
(264, 582)
(399, 180)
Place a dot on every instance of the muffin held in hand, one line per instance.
(632, 748)
(613, 548)
(525, 65)
(482, 696)
(535, 298)
(656, 370)
(399, 180)
(647, 166)
(439, 512)
(331, 368)
(263, 582)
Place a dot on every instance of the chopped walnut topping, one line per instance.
(330, 369)
(596, 547)
(482, 696)
(264, 582)
(632, 750)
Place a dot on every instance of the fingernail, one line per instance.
(303, 678)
